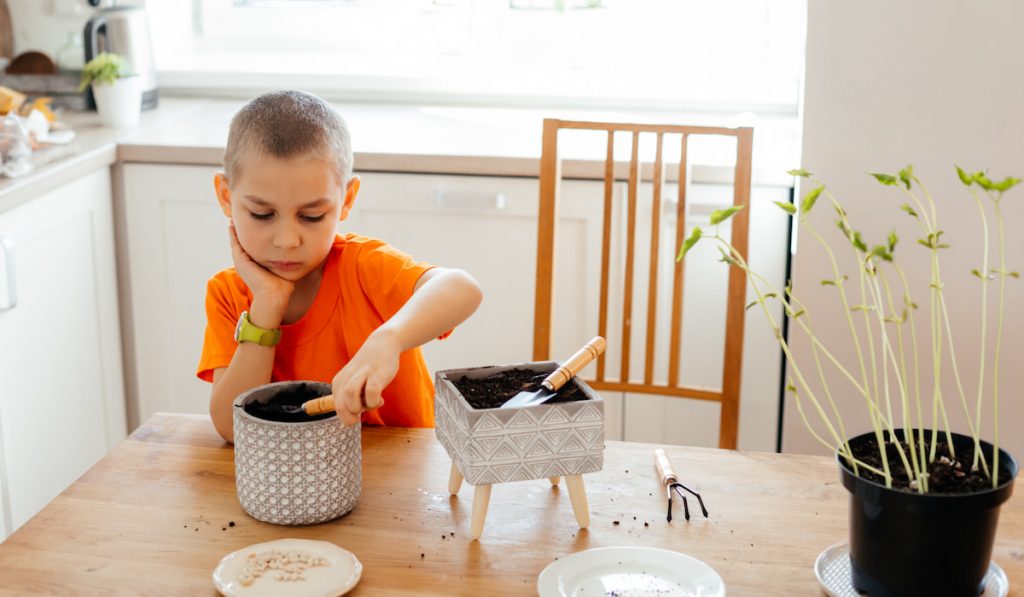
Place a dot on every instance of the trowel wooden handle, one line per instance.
(319, 406)
(575, 364)
(325, 404)
(665, 472)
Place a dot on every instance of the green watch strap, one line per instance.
(247, 331)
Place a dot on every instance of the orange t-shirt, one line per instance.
(365, 282)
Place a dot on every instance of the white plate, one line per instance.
(833, 571)
(337, 578)
(629, 571)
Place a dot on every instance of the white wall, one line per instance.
(932, 83)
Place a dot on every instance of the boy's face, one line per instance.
(285, 211)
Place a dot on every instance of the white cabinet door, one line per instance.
(62, 398)
(177, 239)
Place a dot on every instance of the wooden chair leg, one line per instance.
(481, 497)
(454, 480)
(554, 480)
(578, 497)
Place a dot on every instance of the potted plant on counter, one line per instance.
(924, 500)
(117, 90)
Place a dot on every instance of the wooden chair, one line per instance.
(550, 178)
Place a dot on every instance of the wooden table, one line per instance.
(154, 516)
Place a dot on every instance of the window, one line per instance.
(678, 54)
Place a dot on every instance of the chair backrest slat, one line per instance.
(676, 332)
(547, 222)
(550, 177)
(736, 309)
(606, 246)
(652, 276)
(627, 298)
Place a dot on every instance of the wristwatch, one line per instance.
(247, 331)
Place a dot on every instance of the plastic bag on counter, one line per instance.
(15, 147)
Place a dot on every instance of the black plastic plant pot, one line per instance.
(905, 543)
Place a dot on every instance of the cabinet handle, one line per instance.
(470, 200)
(11, 300)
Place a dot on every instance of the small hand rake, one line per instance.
(671, 482)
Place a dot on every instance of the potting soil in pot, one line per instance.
(494, 390)
(946, 475)
(286, 406)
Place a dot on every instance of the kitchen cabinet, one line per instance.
(177, 239)
(62, 397)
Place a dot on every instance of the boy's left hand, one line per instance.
(358, 386)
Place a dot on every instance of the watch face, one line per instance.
(241, 321)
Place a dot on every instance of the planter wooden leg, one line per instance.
(578, 497)
(554, 480)
(481, 497)
(454, 480)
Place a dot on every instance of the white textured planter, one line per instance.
(120, 104)
(295, 473)
(496, 445)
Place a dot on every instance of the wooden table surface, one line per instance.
(154, 517)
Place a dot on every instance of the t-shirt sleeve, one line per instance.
(388, 277)
(222, 313)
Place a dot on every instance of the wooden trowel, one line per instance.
(558, 378)
(319, 406)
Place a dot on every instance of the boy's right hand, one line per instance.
(270, 292)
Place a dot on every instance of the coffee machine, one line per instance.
(123, 30)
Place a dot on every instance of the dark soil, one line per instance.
(494, 390)
(286, 406)
(946, 475)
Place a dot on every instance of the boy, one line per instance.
(303, 302)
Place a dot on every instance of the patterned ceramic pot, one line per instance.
(295, 473)
(496, 445)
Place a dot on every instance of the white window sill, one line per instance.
(453, 81)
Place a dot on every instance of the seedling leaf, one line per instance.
(695, 235)
(965, 178)
(1006, 184)
(886, 179)
(906, 174)
(799, 172)
(786, 207)
(720, 215)
(810, 199)
(859, 243)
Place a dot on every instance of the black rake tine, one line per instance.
(669, 517)
(686, 506)
(695, 494)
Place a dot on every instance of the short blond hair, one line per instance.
(288, 124)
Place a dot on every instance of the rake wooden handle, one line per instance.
(664, 467)
(576, 362)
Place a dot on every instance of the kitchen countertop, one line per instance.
(154, 516)
(399, 138)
